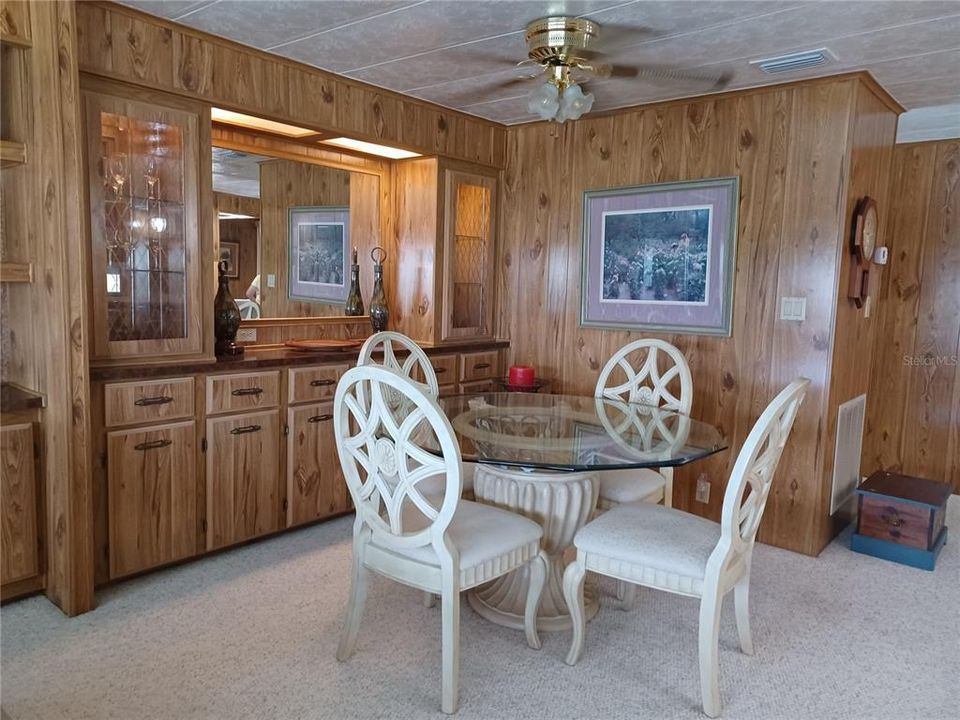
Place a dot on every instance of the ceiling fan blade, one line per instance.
(617, 36)
(716, 80)
(606, 70)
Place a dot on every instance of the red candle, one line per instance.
(521, 376)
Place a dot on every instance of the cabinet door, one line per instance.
(143, 167)
(18, 504)
(468, 255)
(151, 496)
(244, 489)
(315, 485)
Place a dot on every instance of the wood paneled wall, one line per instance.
(246, 234)
(790, 146)
(125, 44)
(913, 410)
(47, 324)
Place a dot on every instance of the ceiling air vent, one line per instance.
(794, 61)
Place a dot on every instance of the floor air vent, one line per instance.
(794, 61)
(846, 457)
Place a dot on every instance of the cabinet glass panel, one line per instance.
(471, 253)
(141, 168)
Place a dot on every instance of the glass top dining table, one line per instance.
(543, 456)
(575, 433)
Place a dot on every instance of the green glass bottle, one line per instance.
(354, 304)
(379, 314)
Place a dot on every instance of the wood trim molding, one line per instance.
(299, 321)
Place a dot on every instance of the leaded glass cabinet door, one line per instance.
(468, 255)
(143, 167)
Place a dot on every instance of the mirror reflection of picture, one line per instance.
(230, 254)
(319, 238)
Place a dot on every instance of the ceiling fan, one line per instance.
(567, 51)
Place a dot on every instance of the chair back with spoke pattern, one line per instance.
(752, 476)
(655, 373)
(415, 359)
(382, 448)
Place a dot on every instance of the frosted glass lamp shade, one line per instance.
(544, 101)
(574, 103)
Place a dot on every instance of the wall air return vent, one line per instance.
(794, 61)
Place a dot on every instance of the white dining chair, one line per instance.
(441, 545)
(409, 364)
(651, 370)
(680, 553)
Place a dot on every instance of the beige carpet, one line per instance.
(251, 634)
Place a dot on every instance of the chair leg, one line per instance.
(450, 641)
(429, 599)
(626, 594)
(573, 594)
(741, 603)
(538, 577)
(358, 598)
(667, 472)
(710, 605)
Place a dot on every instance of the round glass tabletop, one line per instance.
(571, 432)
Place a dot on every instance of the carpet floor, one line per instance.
(251, 633)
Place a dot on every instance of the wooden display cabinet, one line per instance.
(443, 285)
(146, 205)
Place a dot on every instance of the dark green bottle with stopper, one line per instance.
(354, 304)
(378, 303)
(226, 317)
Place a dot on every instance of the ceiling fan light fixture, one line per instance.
(574, 103)
(544, 101)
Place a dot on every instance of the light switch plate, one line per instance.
(247, 335)
(271, 281)
(793, 309)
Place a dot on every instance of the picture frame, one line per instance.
(319, 254)
(230, 253)
(660, 258)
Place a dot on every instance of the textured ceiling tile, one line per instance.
(266, 24)
(420, 29)
(917, 94)
(166, 8)
(918, 67)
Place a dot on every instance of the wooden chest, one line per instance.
(901, 518)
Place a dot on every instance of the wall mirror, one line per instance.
(287, 227)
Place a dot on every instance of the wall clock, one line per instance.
(863, 240)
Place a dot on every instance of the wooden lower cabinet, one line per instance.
(19, 545)
(152, 496)
(315, 486)
(245, 493)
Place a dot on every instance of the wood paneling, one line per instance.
(315, 485)
(873, 130)
(283, 185)
(19, 541)
(789, 146)
(244, 488)
(246, 234)
(913, 409)
(122, 43)
(238, 204)
(152, 493)
(44, 225)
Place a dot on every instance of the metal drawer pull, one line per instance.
(481, 366)
(321, 383)
(319, 418)
(439, 370)
(247, 391)
(245, 429)
(891, 517)
(158, 400)
(153, 445)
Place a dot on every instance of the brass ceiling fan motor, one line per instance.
(557, 40)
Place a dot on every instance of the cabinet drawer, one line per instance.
(242, 391)
(898, 522)
(129, 403)
(313, 383)
(445, 367)
(479, 365)
(449, 390)
(477, 387)
(152, 496)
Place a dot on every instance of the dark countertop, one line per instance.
(264, 358)
(14, 398)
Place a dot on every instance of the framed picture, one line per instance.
(230, 253)
(319, 254)
(661, 257)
